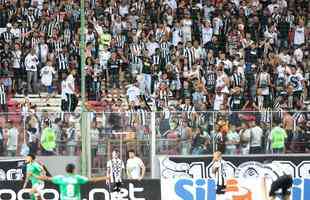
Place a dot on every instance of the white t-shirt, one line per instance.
(31, 62)
(218, 101)
(70, 81)
(39, 3)
(17, 57)
(123, 10)
(172, 4)
(176, 36)
(299, 37)
(44, 52)
(256, 138)
(63, 90)
(12, 139)
(296, 81)
(151, 47)
(220, 82)
(207, 34)
(217, 24)
(264, 78)
(47, 75)
(133, 167)
(116, 167)
(104, 56)
(133, 92)
(298, 54)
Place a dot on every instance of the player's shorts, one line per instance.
(39, 188)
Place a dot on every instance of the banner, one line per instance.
(237, 189)
(148, 189)
(236, 166)
(12, 170)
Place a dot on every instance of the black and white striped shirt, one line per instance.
(121, 40)
(159, 34)
(30, 20)
(165, 51)
(34, 41)
(236, 79)
(189, 54)
(136, 52)
(155, 59)
(23, 32)
(51, 26)
(210, 79)
(7, 36)
(266, 115)
(137, 114)
(67, 36)
(62, 62)
(56, 45)
(220, 174)
(3, 99)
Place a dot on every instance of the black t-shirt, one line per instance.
(250, 55)
(113, 65)
(6, 55)
(146, 67)
(236, 102)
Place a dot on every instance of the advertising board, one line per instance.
(237, 166)
(237, 189)
(131, 190)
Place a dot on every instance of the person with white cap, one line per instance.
(8, 35)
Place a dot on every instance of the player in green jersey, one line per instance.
(69, 184)
(34, 169)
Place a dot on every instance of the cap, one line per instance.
(9, 25)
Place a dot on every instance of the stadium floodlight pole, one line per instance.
(84, 131)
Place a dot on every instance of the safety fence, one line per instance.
(154, 133)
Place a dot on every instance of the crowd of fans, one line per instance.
(204, 133)
(165, 55)
(216, 55)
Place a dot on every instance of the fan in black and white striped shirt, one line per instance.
(63, 61)
(30, 17)
(136, 52)
(237, 79)
(156, 60)
(3, 98)
(7, 36)
(189, 54)
(121, 39)
(165, 51)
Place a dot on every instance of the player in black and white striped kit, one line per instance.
(218, 171)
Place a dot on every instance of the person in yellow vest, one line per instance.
(104, 39)
(48, 140)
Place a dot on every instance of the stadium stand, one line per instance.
(220, 74)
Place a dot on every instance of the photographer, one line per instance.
(31, 63)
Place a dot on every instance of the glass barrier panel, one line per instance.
(40, 133)
(123, 132)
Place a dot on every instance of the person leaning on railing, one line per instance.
(278, 137)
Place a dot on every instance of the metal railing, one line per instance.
(154, 133)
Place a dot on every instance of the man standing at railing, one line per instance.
(135, 167)
(278, 137)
